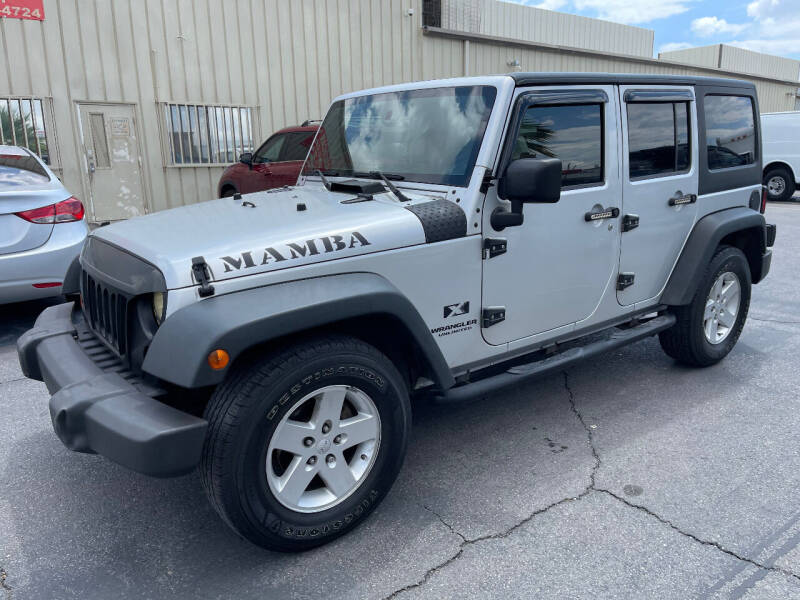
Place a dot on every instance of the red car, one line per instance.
(276, 163)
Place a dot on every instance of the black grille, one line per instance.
(106, 310)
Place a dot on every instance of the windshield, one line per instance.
(430, 135)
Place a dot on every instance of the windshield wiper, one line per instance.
(324, 179)
(400, 195)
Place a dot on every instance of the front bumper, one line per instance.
(99, 411)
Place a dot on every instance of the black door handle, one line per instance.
(605, 213)
(679, 199)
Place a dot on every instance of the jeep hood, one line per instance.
(266, 231)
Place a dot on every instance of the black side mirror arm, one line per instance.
(502, 218)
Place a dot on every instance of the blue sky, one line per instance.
(771, 26)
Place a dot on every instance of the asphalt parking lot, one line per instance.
(625, 477)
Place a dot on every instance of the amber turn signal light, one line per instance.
(218, 359)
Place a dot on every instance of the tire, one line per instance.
(227, 191)
(689, 340)
(780, 184)
(242, 472)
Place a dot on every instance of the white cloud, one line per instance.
(709, 26)
(547, 4)
(631, 12)
(671, 46)
(778, 47)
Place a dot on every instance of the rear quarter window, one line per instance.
(730, 131)
(19, 171)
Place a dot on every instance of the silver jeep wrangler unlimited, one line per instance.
(445, 238)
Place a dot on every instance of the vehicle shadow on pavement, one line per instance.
(16, 319)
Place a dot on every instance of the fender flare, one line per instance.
(703, 241)
(238, 321)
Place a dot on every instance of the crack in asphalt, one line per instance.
(6, 588)
(507, 532)
(691, 536)
(589, 489)
(775, 320)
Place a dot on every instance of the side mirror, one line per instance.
(526, 180)
(246, 158)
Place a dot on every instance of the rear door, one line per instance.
(660, 166)
(293, 154)
(24, 185)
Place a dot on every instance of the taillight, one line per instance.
(69, 210)
(66, 211)
(763, 199)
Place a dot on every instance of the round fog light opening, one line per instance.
(218, 359)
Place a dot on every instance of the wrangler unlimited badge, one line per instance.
(293, 250)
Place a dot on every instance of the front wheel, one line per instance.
(707, 329)
(304, 444)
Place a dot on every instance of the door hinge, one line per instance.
(493, 315)
(494, 247)
(202, 275)
(625, 280)
(629, 222)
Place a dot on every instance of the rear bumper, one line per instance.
(47, 263)
(100, 412)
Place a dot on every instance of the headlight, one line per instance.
(159, 305)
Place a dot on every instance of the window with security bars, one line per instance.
(200, 134)
(22, 123)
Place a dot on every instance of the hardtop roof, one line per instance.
(527, 79)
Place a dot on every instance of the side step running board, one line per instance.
(524, 373)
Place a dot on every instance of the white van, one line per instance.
(780, 133)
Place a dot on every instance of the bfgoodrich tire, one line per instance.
(708, 328)
(303, 444)
(780, 184)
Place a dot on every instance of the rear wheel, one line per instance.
(780, 183)
(708, 328)
(227, 191)
(305, 443)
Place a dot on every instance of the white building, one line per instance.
(159, 95)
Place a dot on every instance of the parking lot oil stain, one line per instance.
(555, 448)
(633, 490)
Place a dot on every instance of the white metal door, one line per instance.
(656, 130)
(112, 161)
(559, 265)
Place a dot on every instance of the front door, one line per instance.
(558, 265)
(659, 184)
(113, 168)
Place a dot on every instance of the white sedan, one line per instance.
(42, 227)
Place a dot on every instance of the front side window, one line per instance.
(429, 135)
(730, 131)
(297, 145)
(573, 133)
(658, 139)
(271, 150)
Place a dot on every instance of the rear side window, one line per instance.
(658, 139)
(730, 131)
(573, 133)
(18, 170)
(297, 145)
